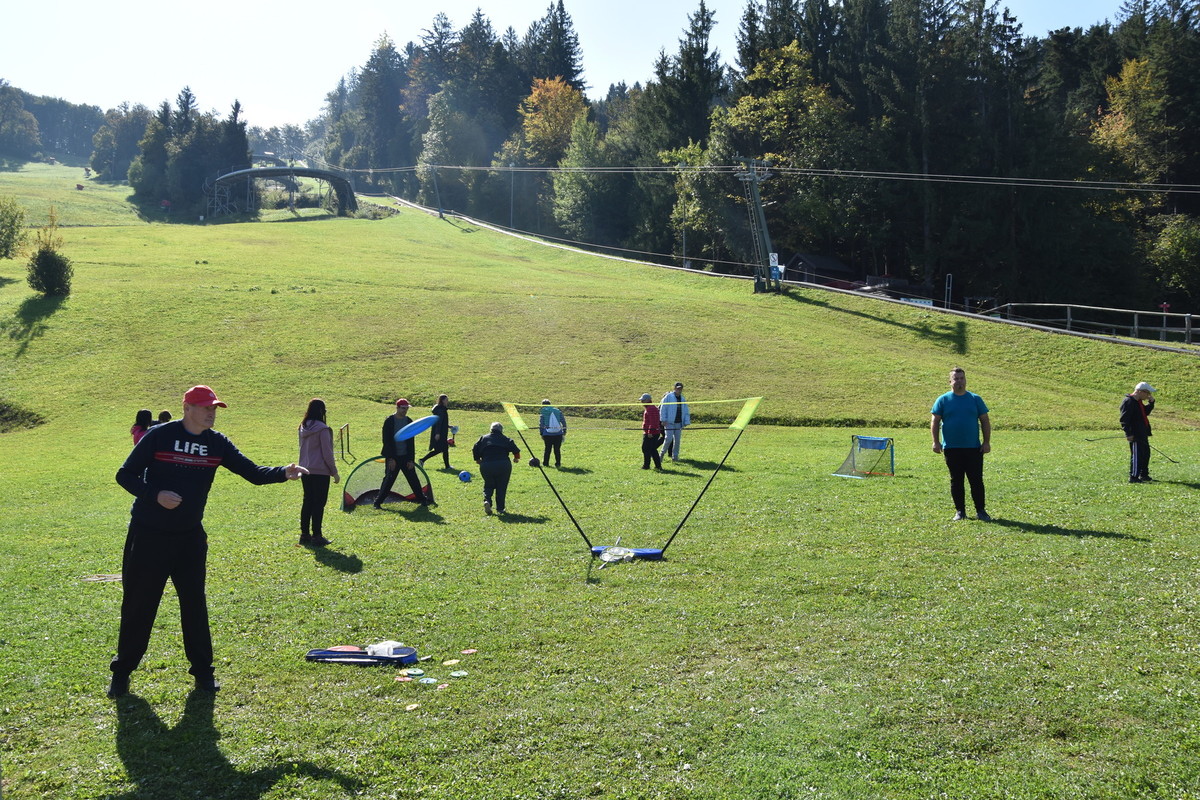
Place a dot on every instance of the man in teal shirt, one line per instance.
(958, 418)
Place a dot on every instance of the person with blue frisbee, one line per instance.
(400, 455)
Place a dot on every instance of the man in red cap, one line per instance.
(169, 473)
(400, 456)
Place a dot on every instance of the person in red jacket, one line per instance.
(169, 473)
(652, 433)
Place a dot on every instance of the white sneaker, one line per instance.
(487, 507)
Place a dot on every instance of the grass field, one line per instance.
(808, 636)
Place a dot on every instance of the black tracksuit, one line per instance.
(171, 543)
(1136, 423)
(401, 454)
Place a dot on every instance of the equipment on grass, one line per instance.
(869, 455)
(464, 476)
(533, 461)
(360, 657)
(413, 428)
(614, 553)
(362, 485)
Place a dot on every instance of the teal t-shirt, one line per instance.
(960, 418)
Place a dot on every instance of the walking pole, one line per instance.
(1164, 455)
(1102, 438)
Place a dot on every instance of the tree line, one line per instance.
(909, 139)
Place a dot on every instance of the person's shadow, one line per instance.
(184, 761)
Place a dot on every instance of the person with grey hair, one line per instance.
(675, 416)
(491, 454)
(552, 426)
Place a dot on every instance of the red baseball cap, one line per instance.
(202, 396)
(403, 402)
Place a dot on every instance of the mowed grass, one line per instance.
(807, 636)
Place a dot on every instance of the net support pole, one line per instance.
(556, 494)
(702, 491)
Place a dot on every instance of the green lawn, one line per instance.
(807, 636)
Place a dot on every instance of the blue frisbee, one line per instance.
(413, 428)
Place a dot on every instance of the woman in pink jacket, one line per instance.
(316, 455)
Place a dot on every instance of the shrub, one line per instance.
(50, 271)
(12, 227)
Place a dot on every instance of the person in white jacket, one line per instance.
(316, 455)
(675, 415)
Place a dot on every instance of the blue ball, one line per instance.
(464, 476)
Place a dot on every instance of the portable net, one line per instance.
(869, 455)
(362, 485)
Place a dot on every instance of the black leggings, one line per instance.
(553, 443)
(312, 508)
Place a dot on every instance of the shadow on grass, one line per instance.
(5, 281)
(414, 512)
(29, 320)
(1054, 530)
(342, 562)
(571, 470)
(952, 334)
(184, 761)
(707, 466)
(510, 517)
(1185, 484)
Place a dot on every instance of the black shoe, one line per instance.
(1147, 479)
(645, 466)
(487, 507)
(305, 539)
(319, 541)
(208, 684)
(959, 516)
(1136, 480)
(983, 516)
(119, 685)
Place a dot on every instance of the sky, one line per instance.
(281, 59)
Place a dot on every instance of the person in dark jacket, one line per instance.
(1135, 421)
(439, 434)
(491, 454)
(400, 457)
(169, 473)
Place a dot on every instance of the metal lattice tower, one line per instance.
(754, 174)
